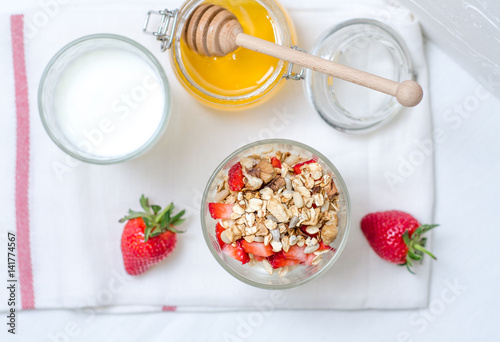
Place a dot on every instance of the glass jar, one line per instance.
(241, 79)
(255, 275)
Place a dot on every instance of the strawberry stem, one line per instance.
(416, 244)
(422, 249)
(157, 221)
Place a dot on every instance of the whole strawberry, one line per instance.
(149, 236)
(396, 236)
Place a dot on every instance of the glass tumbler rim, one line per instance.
(340, 182)
(155, 64)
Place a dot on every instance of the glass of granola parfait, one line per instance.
(276, 214)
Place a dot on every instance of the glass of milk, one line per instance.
(104, 99)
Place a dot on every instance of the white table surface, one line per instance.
(464, 297)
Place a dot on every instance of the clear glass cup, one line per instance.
(364, 44)
(256, 275)
(110, 139)
(284, 33)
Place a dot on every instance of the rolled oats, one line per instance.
(267, 239)
(276, 245)
(310, 249)
(272, 214)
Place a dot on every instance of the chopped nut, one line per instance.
(329, 233)
(247, 163)
(266, 193)
(277, 183)
(331, 190)
(252, 183)
(316, 189)
(292, 240)
(277, 210)
(266, 169)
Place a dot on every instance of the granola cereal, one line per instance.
(276, 210)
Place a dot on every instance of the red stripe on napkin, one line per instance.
(22, 163)
(169, 308)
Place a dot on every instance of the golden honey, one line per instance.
(242, 78)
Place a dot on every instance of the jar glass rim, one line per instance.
(155, 64)
(282, 36)
(400, 51)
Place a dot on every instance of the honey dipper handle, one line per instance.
(408, 93)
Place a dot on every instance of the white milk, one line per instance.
(109, 102)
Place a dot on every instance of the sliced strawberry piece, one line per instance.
(296, 253)
(235, 175)
(237, 252)
(257, 248)
(309, 258)
(220, 210)
(296, 167)
(303, 229)
(278, 260)
(322, 246)
(258, 258)
(276, 162)
(218, 231)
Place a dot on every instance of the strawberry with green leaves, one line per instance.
(396, 236)
(149, 236)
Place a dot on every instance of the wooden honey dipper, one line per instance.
(213, 30)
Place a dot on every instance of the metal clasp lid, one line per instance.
(289, 71)
(164, 33)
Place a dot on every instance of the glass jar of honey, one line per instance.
(241, 79)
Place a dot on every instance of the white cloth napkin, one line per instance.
(74, 234)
